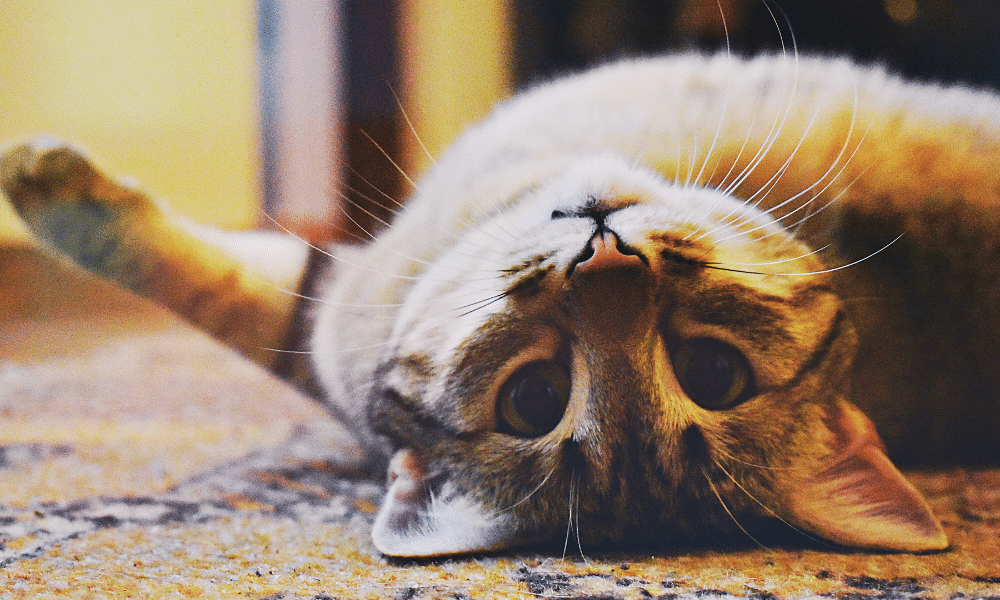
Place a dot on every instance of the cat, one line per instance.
(639, 304)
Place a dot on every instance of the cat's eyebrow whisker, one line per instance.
(532, 492)
(725, 506)
(573, 518)
(767, 508)
(576, 520)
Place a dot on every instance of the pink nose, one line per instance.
(606, 255)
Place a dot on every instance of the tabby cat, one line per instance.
(637, 305)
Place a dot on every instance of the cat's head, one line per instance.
(619, 359)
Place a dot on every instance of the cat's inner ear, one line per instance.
(858, 498)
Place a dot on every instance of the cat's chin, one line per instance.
(413, 523)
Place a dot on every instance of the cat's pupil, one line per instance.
(713, 374)
(533, 399)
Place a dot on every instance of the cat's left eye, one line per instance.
(532, 400)
(713, 374)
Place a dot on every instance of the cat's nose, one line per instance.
(606, 252)
(611, 291)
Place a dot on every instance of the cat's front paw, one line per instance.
(44, 169)
(62, 196)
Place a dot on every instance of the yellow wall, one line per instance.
(164, 92)
(455, 68)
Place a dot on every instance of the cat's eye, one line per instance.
(713, 374)
(532, 400)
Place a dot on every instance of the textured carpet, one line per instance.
(139, 459)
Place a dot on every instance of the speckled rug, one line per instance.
(139, 459)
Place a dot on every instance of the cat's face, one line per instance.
(619, 359)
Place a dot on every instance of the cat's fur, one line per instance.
(616, 243)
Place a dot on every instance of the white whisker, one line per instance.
(767, 508)
(725, 507)
(409, 125)
(388, 157)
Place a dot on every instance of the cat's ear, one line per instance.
(858, 498)
(413, 522)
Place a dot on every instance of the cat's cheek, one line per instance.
(413, 522)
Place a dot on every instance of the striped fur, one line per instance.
(626, 308)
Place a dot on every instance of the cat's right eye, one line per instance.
(532, 400)
(713, 374)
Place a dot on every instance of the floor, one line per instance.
(141, 459)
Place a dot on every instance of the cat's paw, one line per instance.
(43, 170)
(63, 197)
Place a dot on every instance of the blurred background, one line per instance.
(232, 109)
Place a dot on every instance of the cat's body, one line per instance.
(600, 312)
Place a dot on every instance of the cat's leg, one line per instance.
(215, 280)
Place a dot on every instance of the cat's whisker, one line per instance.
(836, 160)
(798, 225)
(527, 497)
(410, 126)
(794, 228)
(766, 508)
(445, 320)
(286, 351)
(729, 457)
(724, 190)
(331, 255)
(768, 185)
(374, 239)
(573, 519)
(481, 304)
(725, 106)
(347, 214)
(394, 211)
(718, 496)
(719, 267)
(772, 262)
(777, 126)
(388, 157)
(781, 119)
